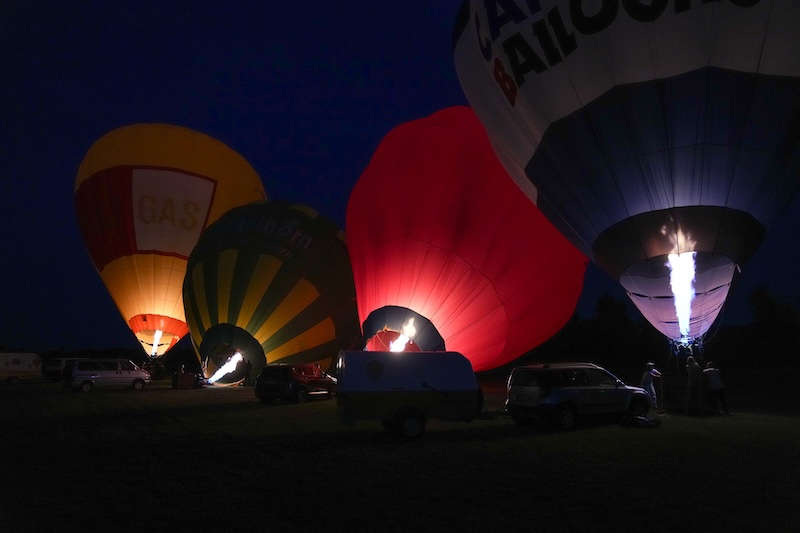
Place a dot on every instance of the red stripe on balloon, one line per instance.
(103, 205)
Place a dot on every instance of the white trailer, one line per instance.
(15, 366)
(404, 389)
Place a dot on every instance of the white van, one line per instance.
(87, 374)
(404, 389)
(17, 366)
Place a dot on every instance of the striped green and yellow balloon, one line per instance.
(273, 282)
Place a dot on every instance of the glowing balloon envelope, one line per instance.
(644, 129)
(143, 194)
(272, 282)
(446, 250)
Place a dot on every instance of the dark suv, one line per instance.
(560, 392)
(296, 383)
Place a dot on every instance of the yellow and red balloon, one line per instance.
(143, 195)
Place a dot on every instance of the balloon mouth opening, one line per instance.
(230, 355)
(389, 340)
(400, 329)
(157, 333)
(654, 234)
(680, 294)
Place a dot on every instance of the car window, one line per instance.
(127, 365)
(108, 365)
(87, 365)
(600, 378)
(574, 377)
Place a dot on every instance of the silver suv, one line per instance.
(561, 392)
(89, 373)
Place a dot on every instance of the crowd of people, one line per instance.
(705, 390)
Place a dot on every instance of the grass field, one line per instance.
(216, 460)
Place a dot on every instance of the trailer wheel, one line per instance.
(409, 423)
(86, 386)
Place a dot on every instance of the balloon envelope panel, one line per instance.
(277, 274)
(436, 226)
(671, 105)
(143, 195)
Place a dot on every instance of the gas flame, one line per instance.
(229, 366)
(156, 340)
(681, 281)
(399, 344)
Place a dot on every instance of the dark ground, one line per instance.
(206, 460)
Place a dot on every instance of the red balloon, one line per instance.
(436, 226)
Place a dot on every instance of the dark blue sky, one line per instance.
(303, 90)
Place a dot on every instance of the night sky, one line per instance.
(303, 90)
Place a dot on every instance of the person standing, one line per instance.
(716, 389)
(647, 384)
(695, 377)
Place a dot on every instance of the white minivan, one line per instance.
(87, 374)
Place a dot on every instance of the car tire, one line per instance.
(565, 417)
(86, 386)
(301, 396)
(521, 420)
(138, 385)
(263, 398)
(409, 424)
(638, 407)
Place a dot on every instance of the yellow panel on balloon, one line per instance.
(145, 283)
(300, 297)
(265, 270)
(323, 332)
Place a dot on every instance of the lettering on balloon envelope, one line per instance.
(170, 209)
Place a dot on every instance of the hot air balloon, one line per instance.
(660, 137)
(143, 194)
(270, 282)
(449, 254)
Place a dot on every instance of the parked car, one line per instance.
(87, 374)
(296, 383)
(403, 390)
(17, 366)
(562, 392)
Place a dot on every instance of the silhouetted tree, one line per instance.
(766, 309)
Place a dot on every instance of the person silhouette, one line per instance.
(650, 373)
(693, 393)
(715, 388)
